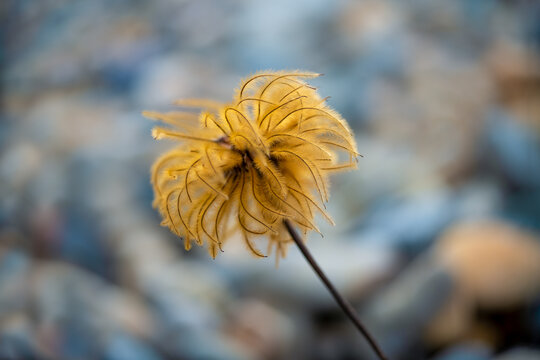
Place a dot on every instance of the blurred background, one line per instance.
(437, 239)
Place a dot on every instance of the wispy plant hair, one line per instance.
(240, 169)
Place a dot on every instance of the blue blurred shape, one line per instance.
(125, 347)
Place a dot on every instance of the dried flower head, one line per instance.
(246, 166)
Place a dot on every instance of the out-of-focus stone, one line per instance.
(128, 312)
(451, 321)
(196, 344)
(495, 264)
(431, 115)
(354, 268)
(60, 291)
(512, 150)
(178, 75)
(14, 269)
(265, 331)
(18, 164)
(121, 347)
(398, 314)
(519, 354)
(516, 73)
(367, 23)
(410, 221)
(470, 351)
(17, 338)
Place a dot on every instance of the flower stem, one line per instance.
(344, 304)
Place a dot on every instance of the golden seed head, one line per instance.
(245, 166)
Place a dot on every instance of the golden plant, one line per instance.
(254, 167)
(248, 166)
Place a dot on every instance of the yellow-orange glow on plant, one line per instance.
(244, 167)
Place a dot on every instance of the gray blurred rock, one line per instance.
(399, 314)
(123, 347)
(195, 345)
(351, 265)
(413, 221)
(519, 354)
(17, 338)
(267, 332)
(82, 309)
(465, 352)
(513, 149)
(14, 279)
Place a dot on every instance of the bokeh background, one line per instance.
(437, 240)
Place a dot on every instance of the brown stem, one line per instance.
(344, 304)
